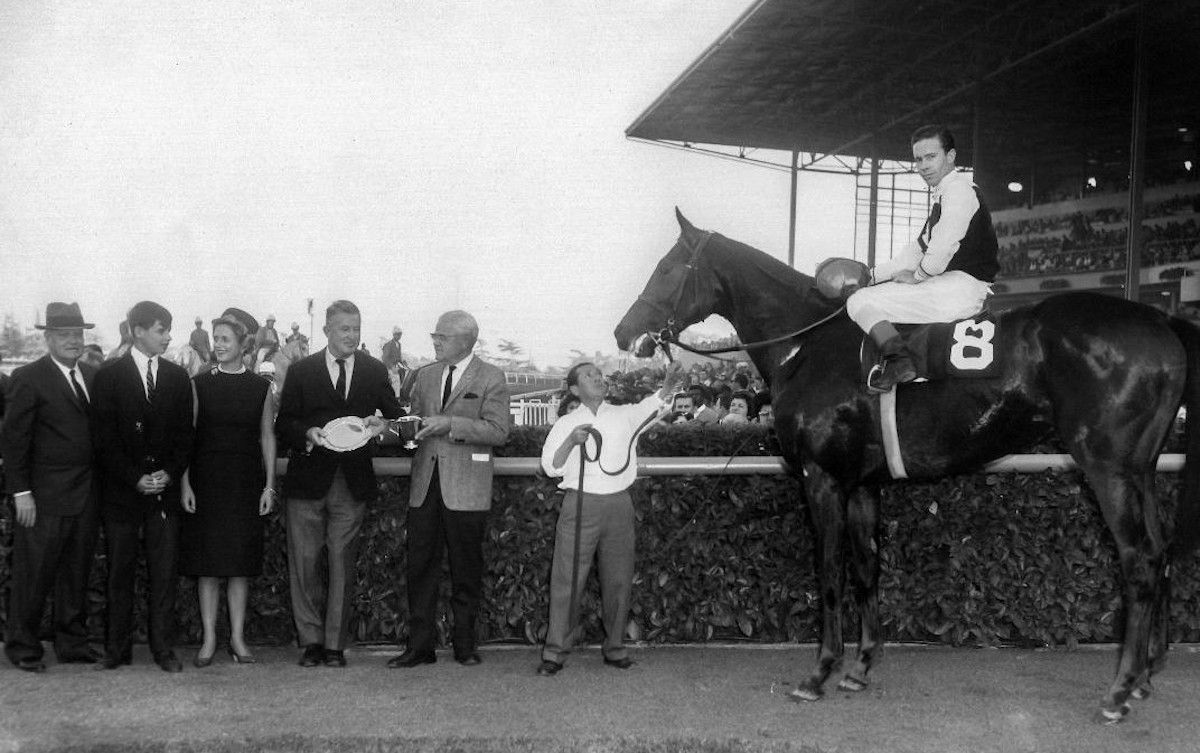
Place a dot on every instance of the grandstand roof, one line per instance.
(1052, 81)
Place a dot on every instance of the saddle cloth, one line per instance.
(946, 350)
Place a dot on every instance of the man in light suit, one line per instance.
(143, 434)
(463, 404)
(327, 490)
(47, 446)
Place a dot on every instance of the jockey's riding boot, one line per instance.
(896, 367)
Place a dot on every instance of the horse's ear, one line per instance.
(683, 221)
(686, 227)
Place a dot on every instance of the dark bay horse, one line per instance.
(1108, 375)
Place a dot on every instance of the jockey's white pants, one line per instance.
(944, 298)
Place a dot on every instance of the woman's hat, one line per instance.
(63, 316)
(247, 321)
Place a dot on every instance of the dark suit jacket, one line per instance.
(134, 437)
(308, 400)
(46, 438)
(479, 420)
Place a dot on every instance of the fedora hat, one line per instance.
(63, 316)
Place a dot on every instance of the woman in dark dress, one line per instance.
(230, 484)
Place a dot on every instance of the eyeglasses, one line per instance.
(438, 337)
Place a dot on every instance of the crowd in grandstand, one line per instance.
(1078, 242)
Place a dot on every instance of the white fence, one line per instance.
(533, 412)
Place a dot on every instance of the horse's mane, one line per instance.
(768, 267)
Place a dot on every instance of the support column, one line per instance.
(792, 212)
(1137, 163)
(873, 217)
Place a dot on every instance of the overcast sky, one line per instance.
(411, 156)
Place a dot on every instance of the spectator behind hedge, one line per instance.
(741, 408)
(567, 403)
(764, 412)
(703, 411)
(681, 409)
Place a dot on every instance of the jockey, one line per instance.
(200, 342)
(944, 275)
(297, 335)
(266, 340)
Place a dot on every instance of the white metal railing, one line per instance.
(750, 465)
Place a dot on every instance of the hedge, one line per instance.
(968, 560)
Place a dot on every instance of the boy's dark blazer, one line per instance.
(134, 436)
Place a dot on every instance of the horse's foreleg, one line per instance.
(863, 528)
(825, 502)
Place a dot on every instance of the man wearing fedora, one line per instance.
(143, 434)
(46, 442)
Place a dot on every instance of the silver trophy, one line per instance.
(407, 428)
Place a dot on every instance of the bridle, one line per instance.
(668, 335)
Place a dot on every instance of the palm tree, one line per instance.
(511, 350)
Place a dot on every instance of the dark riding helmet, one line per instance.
(837, 277)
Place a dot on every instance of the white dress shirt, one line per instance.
(616, 424)
(141, 359)
(332, 367)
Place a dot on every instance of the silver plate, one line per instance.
(346, 433)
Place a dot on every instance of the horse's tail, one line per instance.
(1187, 510)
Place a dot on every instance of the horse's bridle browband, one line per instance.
(667, 335)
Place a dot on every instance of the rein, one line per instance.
(674, 338)
(668, 335)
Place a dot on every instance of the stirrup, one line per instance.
(880, 372)
(876, 372)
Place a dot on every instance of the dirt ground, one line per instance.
(923, 700)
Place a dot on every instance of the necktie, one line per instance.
(341, 382)
(449, 384)
(150, 381)
(79, 393)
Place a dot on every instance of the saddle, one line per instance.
(967, 348)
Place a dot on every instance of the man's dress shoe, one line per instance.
(85, 655)
(112, 661)
(169, 662)
(549, 668)
(314, 655)
(411, 658)
(624, 663)
(468, 660)
(30, 664)
(335, 657)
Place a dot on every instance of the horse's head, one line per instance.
(681, 292)
(295, 350)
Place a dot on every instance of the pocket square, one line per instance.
(470, 396)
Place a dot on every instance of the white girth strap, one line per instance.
(891, 438)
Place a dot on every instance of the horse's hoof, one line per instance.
(806, 695)
(1113, 716)
(1142, 693)
(852, 684)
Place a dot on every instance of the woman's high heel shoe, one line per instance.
(200, 662)
(241, 658)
